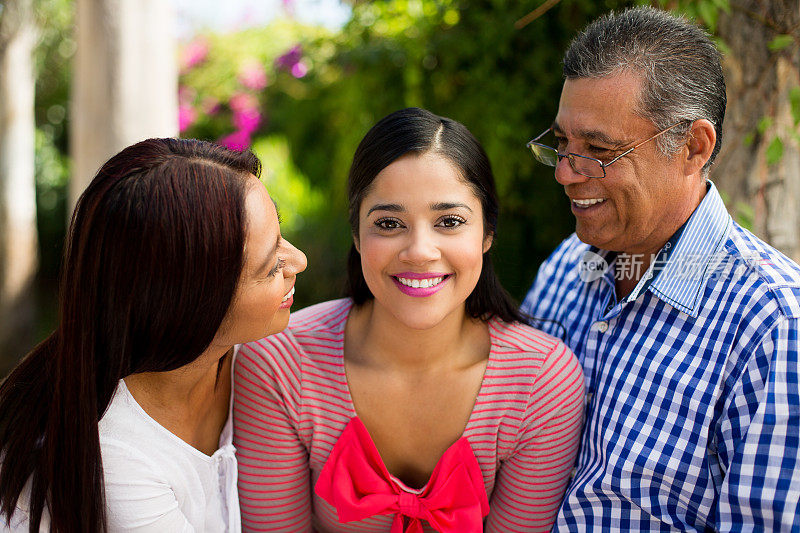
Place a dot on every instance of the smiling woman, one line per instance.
(120, 420)
(421, 401)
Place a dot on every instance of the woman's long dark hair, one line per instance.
(153, 257)
(415, 130)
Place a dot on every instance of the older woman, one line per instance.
(119, 421)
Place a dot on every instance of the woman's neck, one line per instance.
(190, 401)
(377, 338)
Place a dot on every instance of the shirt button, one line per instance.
(602, 327)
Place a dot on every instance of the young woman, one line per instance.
(119, 421)
(421, 402)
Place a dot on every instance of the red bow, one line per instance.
(356, 483)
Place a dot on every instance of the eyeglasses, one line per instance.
(583, 165)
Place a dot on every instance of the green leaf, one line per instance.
(724, 5)
(748, 139)
(722, 46)
(794, 101)
(709, 13)
(780, 42)
(745, 215)
(764, 124)
(774, 151)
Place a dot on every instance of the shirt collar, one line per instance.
(681, 277)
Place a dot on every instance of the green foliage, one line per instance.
(763, 124)
(774, 151)
(745, 215)
(52, 56)
(794, 102)
(780, 42)
(296, 198)
(705, 12)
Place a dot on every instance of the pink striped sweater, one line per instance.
(292, 402)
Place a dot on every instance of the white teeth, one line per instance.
(421, 283)
(288, 294)
(587, 203)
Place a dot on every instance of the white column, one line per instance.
(125, 84)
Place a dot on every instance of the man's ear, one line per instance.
(702, 138)
(487, 242)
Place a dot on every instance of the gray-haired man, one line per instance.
(685, 323)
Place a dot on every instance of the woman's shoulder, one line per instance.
(309, 330)
(321, 317)
(521, 346)
(522, 337)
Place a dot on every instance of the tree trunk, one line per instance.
(18, 237)
(758, 169)
(125, 86)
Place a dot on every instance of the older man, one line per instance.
(686, 324)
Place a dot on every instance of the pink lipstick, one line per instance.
(420, 284)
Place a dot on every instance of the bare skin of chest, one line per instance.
(414, 418)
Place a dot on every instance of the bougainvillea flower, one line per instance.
(299, 69)
(247, 120)
(253, 76)
(186, 117)
(243, 102)
(238, 140)
(194, 53)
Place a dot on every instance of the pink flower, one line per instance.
(243, 102)
(288, 6)
(194, 53)
(186, 117)
(299, 69)
(253, 76)
(238, 140)
(247, 120)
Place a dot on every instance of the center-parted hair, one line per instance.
(677, 61)
(417, 131)
(153, 258)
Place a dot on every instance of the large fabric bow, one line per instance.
(357, 484)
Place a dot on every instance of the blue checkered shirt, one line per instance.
(693, 407)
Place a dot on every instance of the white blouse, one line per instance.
(156, 482)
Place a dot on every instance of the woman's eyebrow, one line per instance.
(446, 206)
(395, 208)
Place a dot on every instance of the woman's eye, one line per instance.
(388, 223)
(279, 265)
(451, 221)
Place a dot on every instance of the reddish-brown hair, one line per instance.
(153, 257)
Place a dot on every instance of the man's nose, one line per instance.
(565, 174)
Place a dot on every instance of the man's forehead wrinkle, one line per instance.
(592, 135)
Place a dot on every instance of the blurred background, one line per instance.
(301, 81)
